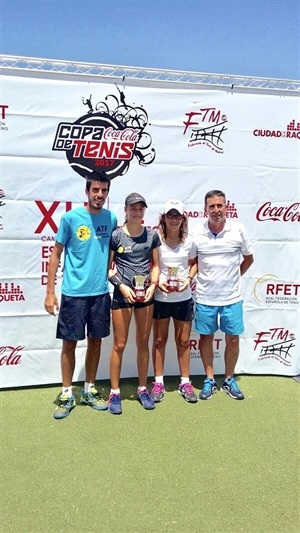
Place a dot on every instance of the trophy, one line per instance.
(173, 281)
(138, 283)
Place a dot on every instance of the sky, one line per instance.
(252, 38)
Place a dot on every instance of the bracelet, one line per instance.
(154, 283)
(114, 280)
(190, 278)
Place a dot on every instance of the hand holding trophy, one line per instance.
(173, 281)
(138, 283)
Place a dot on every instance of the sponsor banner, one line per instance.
(273, 347)
(164, 143)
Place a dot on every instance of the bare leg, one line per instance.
(160, 333)
(182, 339)
(207, 355)
(121, 321)
(68, 362)
(231, 354)
(92, 359)
(143, 319)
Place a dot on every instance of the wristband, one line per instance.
(190, 278)
(115, 281)
(154, 283)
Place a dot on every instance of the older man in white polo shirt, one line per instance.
(224, 255)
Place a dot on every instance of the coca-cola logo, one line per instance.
(10, 355)
(290, 213)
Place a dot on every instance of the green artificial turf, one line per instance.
(216, 466)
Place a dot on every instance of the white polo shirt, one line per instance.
(219, 258)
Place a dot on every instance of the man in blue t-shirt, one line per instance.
(83, 236)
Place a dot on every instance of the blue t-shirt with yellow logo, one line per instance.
(85, 238)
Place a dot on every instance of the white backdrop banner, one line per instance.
(163, 143)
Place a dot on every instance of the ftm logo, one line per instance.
(206, 127)
(275, 343)
(108, 137)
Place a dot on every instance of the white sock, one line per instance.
(67, 390)
(159, 379)
(88, 387)
(184, 380)
(114, 391)
(141, 388)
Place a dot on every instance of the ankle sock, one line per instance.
(88, 387)
(67, 390)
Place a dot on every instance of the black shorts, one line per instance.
(81, 316)
(119, 302)
(183, 311)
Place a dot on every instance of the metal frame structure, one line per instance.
(14, 65)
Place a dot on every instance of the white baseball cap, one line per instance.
(173, 204)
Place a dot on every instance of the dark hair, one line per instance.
(162, 227)
(97, 176)
(211, 194)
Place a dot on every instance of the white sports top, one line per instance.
(178, 257)
(219, 258)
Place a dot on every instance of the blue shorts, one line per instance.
(183, 311)
(227, 318)
(79, 316)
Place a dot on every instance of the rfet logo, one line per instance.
(268, 289)
(218, 342)
(276, 213)
(3, 109)
(106, 138)
(206, 126)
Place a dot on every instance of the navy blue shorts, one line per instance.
(83, 316)
(177, 310)
(119, 302)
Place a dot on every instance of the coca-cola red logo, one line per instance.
(289, 213)
(10, 355)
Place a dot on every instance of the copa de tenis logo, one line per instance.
(108, 137)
